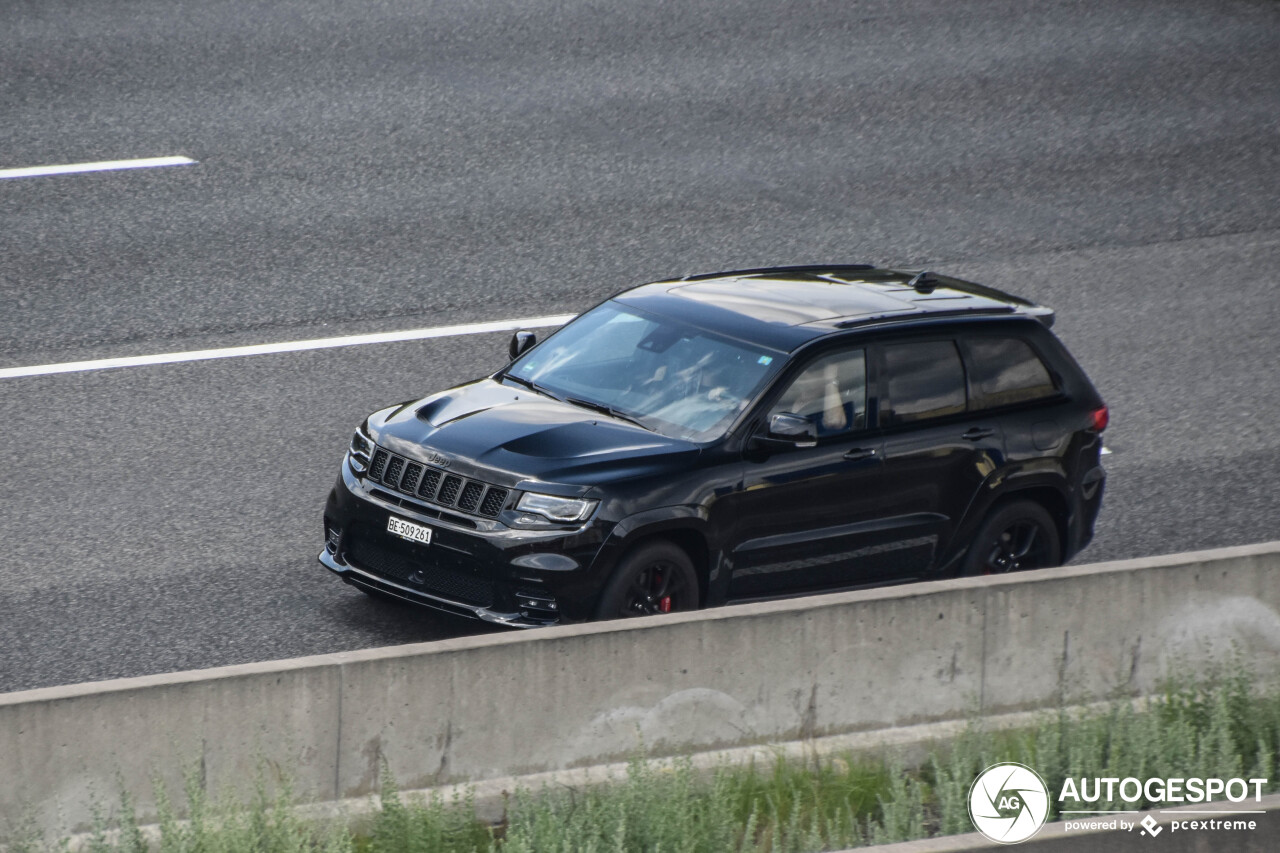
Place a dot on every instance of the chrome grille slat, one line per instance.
(428, 483)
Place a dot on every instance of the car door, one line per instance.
(937, 452)
(807, 517)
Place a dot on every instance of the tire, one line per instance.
(656, 577)
(1016, 536)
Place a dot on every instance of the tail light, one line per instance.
(1101, 417)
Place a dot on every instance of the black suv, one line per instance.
(729, 437)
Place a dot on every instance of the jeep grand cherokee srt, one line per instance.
(728, 437)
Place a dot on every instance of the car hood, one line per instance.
(514, 434)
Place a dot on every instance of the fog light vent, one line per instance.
(544, 605)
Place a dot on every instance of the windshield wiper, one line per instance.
(530, 384)
(607, 410)
(586, 404)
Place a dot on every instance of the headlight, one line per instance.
(361, 450)
(552, 508)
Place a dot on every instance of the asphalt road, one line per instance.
(397, 164)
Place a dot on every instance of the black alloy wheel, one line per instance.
(657, 577)
(1016, 537)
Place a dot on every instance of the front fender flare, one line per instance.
(687, 520)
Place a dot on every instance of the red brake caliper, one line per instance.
(664, 603)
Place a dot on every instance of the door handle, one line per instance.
(977, 433)
(860, 453)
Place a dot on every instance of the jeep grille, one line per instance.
(433, 485)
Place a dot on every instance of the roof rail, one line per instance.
(812, 268)
(926, 315)
(930, 278)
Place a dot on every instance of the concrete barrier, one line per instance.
(514, 704)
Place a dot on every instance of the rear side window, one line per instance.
(924, 380)
(1004, 371)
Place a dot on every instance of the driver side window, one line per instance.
(830, 393)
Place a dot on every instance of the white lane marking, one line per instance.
(287, 346)
(104, 166)
(1106, 451)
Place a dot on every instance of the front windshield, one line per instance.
(676, 379)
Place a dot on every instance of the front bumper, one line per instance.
(375, 583)
(478, 568)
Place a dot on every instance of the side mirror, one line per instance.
(520, 343)
(786, 431)
(793, 429)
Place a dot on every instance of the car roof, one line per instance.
(786, 307)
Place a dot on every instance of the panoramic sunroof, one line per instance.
(792, 300)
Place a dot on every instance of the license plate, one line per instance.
(409, 530)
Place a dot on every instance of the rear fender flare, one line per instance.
(1005, 489)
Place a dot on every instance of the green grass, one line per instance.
(1216, 727)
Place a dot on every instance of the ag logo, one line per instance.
(1008, 802)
